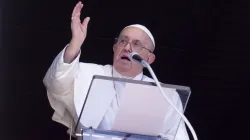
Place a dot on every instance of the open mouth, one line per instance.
(125, 58)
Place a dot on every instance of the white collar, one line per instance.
(117, 74)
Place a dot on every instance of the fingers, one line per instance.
(77, 10)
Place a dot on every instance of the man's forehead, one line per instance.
(133, 33)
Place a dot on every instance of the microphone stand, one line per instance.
(145, 64)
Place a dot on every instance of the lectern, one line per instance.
(132, 121)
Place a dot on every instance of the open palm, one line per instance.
(78, 28)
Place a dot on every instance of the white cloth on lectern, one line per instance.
(67, 86)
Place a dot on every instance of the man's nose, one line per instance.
(128, 47)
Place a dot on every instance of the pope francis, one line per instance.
(67, 80)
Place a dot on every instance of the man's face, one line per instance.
(132, 40)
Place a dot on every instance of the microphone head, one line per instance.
(131, 55)
(136, 58)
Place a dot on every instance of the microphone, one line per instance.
(136, 58)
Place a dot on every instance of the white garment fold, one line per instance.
(67, 86)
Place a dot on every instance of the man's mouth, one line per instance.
(125, 58)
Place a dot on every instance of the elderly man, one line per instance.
(68, 80)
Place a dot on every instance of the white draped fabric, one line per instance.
(67, 86)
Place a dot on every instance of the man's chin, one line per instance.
(123, 67)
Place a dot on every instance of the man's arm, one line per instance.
(60, 76)
(59, 79)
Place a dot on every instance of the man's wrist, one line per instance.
(75, 44)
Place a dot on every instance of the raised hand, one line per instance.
(78, 28)
(79, 33)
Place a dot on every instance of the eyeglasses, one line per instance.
(136, 45)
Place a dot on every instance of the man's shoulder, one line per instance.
(93, 67)
(147, 78)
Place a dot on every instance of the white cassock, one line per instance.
(67, 86)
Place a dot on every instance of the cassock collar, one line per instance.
(117, 74)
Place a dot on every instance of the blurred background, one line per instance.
(200, 44)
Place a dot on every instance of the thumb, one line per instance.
(85, 23)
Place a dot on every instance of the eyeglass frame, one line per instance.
(132, 46)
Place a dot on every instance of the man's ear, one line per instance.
(114, 47)
(151, 58)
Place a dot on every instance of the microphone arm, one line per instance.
(145, 64)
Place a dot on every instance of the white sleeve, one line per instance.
(59, 83)
(182, 132)
(175, 128)
(60, 76)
